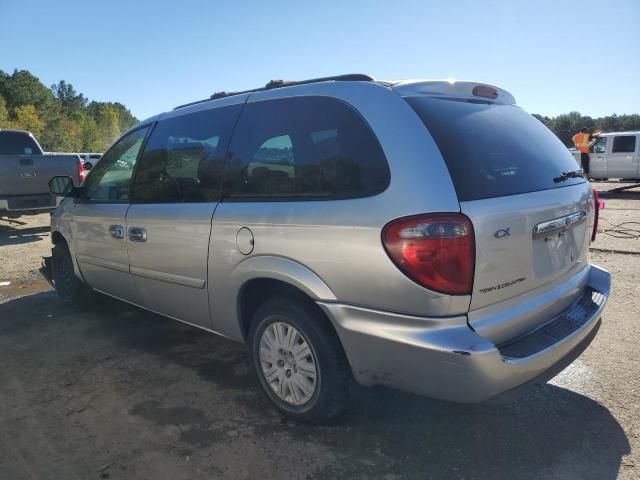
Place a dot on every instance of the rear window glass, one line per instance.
(494, 150)
(16, 143)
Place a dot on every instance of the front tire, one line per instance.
(299, 360)
(70, 289)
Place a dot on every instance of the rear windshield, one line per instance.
(494, 150)
(17, 143)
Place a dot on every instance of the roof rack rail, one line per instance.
(349, 77)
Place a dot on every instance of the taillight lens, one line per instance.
(436, 251)
(81, 171)
(596, 210)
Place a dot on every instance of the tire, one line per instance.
(70, 289)
(330, 391)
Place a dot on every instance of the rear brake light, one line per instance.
(596, 209)
(436, 251)
(81, 171)
(485, 91)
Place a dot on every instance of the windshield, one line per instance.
(494, 150)
(18, 143)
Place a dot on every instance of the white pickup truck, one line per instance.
(616, 155)
(25, 171)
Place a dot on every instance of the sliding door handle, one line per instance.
(116, 231)
(137, 234)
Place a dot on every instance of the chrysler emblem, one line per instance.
(27, 175)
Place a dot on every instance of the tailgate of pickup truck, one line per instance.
(30, 174)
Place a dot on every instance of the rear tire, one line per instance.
(70, 289)
(299, 360)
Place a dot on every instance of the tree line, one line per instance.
(60, 118)
(567, 125)
(66, 121)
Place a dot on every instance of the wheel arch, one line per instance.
(263, 277)
(58, 237)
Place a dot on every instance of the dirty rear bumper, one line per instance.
(444, 358)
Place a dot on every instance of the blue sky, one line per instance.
(554, 56)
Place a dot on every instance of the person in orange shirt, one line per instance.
(584, 140)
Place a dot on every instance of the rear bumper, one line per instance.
(28, 203)
(444, 358)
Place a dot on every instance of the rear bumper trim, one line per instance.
(552, 332)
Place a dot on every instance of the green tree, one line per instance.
(90, 135)
(71, 102)
(126, 119)
(61, 117)
(4, 114)
(22, 88)
(64, 134)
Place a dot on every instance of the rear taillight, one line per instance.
(596, 213)
(81, 171)
(436, 251)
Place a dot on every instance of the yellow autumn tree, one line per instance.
(27, 118)
(108, 122)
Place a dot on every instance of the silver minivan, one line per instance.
(429, 236)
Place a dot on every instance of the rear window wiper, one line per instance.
(569, 174)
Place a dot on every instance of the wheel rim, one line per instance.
(288, 364)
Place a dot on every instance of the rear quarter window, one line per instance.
(624, 144)
(494, 150)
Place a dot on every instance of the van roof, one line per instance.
(352, 77)
(439, 88)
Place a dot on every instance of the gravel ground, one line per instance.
(620, 209)
(116, 392)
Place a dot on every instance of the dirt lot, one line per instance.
(116, 392)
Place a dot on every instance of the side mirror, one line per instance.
(87, 165)
(61, 185)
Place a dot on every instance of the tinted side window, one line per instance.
(304, 147)
(110, 180)
(184, 158)
(624, 144)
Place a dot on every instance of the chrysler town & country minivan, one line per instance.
(429, 236)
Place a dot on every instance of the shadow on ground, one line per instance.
(9, 235)
(630, 193)
(551, 432)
